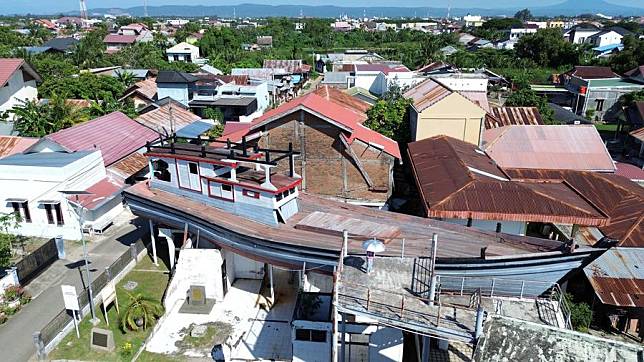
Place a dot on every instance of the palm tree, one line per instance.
(126, 78)
(142, 312)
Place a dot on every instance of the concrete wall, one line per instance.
(454, 116)
(17, 90)
(312, 351)
(324, 165)
(178, 92)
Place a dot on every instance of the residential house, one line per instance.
(615, 278)
(264, 41)
(553, 147)
(179, 86)
(596, 91)
(183, 52)
(342, 26)
(605, 38)
(168, 116)
(299, 72)
(141, 31)
(378, 77)
(339, 157)
(580, 33)
(460, 183)
(142, 93)
(438, 110)
(64, 45)
(18, 82)
(473, 20)
(517, 32)
(234, 95)
(67, 21)
(120, 139)
(33, 186)
(280, 83)
(116, 42)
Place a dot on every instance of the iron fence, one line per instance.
(63, 318)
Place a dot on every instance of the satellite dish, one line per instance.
(374, 246)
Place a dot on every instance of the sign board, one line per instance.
(108, 294)
(197, 295)
(70, 297)
(102, 339)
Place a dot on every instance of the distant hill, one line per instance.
(569, 7)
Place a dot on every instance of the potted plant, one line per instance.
(140, 313)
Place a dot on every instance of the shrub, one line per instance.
(25, 298)
(126, 350)
(3, 318)
(7, 310)
(580, 314)
(12, 293)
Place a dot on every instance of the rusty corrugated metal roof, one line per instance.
(10, 145)
(129, 165)
(618, 278)
(159, 119)
(620, 199)
(427, 93)
(639, 134)
(342, 98)
(457, 180)
(506, 116)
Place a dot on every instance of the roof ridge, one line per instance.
(462, 163)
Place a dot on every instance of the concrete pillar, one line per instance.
(270, 278)
(153, 238)
(478, 332)
(426, 346)
(342, 339)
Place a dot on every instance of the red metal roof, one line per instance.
(335, 95)
(554, 147)
(620, 199)
(99, 193)
(457, 180)
(348, 119)
(230, 128)
(115, 134)
(629, 171)
(119, 39)
(8, 66)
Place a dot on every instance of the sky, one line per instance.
(47, 6)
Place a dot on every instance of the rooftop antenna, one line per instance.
(83, 11)
(145, 8)
(449, 9)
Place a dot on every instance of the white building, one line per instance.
(579, 35)
(473, 20)
(17, 83)
(377, 78)
(183, 52)
(32, 186)
(604, 38)
(517, 33)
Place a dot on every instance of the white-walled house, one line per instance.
(17, 83)
(604, 38)
(183, 52)
(378, 77)
(32, 185)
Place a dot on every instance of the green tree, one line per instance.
(109, 105)
(32, 119)
(547, 47)
(140, 313)
(389, 116)
(523, 15)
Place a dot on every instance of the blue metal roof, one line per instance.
(609, 47)
(44, 159)
(194, 129)
(36, 50)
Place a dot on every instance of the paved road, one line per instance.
(16, 334)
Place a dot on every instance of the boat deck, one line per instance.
(408, 236)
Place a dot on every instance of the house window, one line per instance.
(310, 335)
(225, 187)
(161, 171)
(21, 210)
(249, 193)
(50, 215)
(292, 190)
(599, 105)
(193, 168)
(59, 215)
(278, 197)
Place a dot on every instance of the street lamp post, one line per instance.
(94, 320)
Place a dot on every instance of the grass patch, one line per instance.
(152, 281)
(607, 127)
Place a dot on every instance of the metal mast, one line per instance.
(145, 8)
(83, 11)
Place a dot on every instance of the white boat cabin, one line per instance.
(233, 179)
